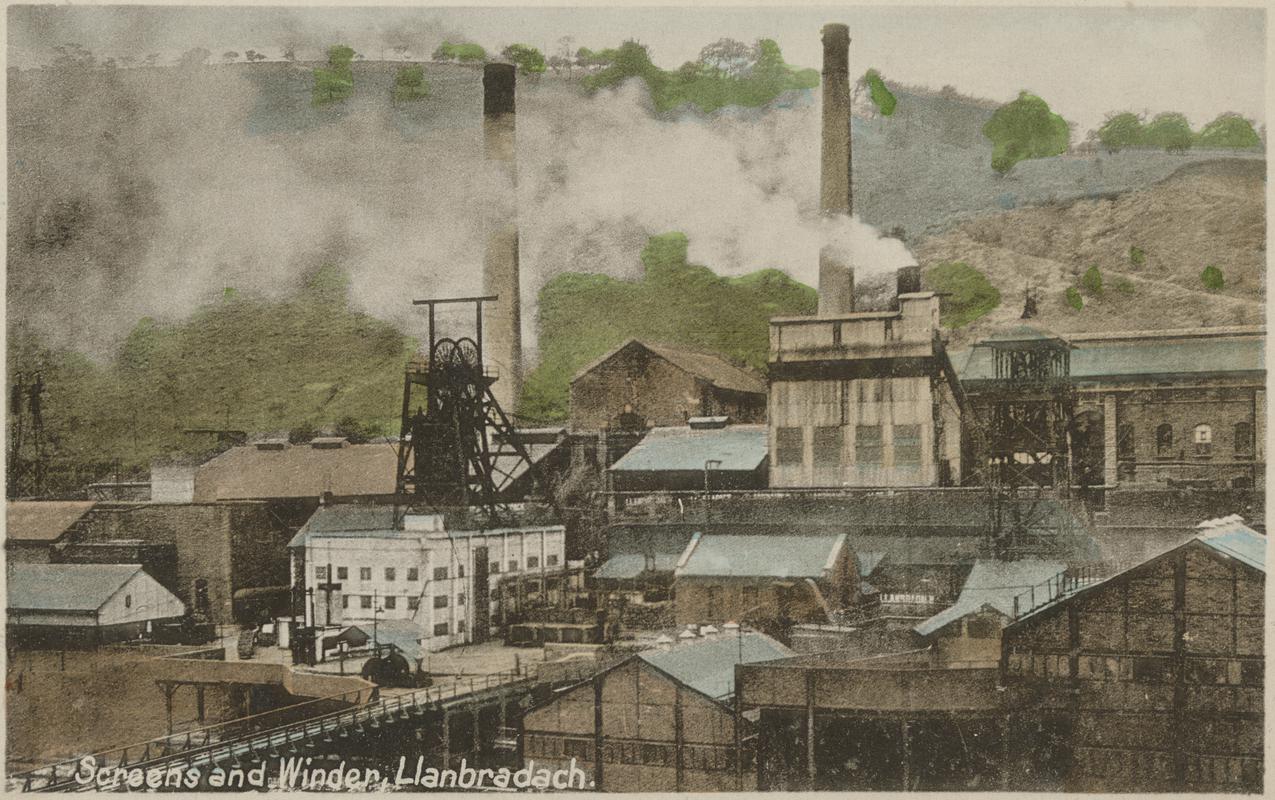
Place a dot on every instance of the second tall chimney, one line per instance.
(836, 274)
(502, 320)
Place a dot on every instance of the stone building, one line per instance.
(644, 384)
(771, 581)
(659, 721)
(1152, 680)
(34, 528)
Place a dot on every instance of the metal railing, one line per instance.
(1055, 588)
(208, 745)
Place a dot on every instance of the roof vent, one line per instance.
(707, 630)
(687, 634)
(272, 444)
(708, 423)
(731, 626)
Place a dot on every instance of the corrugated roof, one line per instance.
(1231, 537)
(761, 556)
(993, 584)
(405, 634)
(43, 520)
(245, 473)
(627, 566)
(1153, 356)
(739, 448)
(868, 561)
(708, 665)
(66, 587)
(709, 366)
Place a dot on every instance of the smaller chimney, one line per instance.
(908, 280)
(836, 284)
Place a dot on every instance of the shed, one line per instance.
(92, 603)
(690, 459)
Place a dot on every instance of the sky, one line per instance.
(1085, 62)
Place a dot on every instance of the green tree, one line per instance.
(965, 292)
(526, 58)
(1212, 278)
(463, 52)
(1171, 131)
(409, 84)
(1092, 281)
(1025, 128)
(334, 82)
(1074, 299)
(1122, 130)
(230, 55)
(1137, 256)
(194, 57)
(881, 95)
(729, 57)
(1228, 130)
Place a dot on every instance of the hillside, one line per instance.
(1210, 213)
(676, 302)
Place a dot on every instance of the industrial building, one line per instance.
(705, 455)
(643, 384)
(771, 581)
(34, 528)
(1152, 680)
(659, 721)
(51, 605)
(360, 564)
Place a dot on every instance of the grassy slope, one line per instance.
(583, 316)
(245, 364)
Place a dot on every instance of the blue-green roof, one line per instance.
(1130, 358)
(993, 584)
(627, 566)
(1231, 537)
(66, 587)
(761, 556)
(708, 665)
(738, 448)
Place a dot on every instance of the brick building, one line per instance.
(1152, 680)
(645, 384)
(659, 721)
(34, 528)
(771, 581)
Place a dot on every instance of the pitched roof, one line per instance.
(739, 448)
(66, 587)
(1151, 355)
(708, 665)
(1231, 537)
(711, 367)
(760, 556)
(299, 470)
(626, 566)
(994, 585)
(42, 520)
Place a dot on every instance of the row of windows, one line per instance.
(442, 628)
(869, 449)
(440, 573)
(1201, 441)
(1141, 669)
(388, 602)
(1224, 769)
(698, 757)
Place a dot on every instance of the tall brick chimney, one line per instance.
(836, 274)
(502, 320)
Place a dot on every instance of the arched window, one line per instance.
(1164, 440)
(1243, 440)
(1202, 438)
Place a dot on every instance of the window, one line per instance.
(1151, 670)
(1243, 440)
(551, 560)
(907, 445)
(440, 629)
(413, 603)
(870, 390)
(578, 748)
(460, 626)
(867, 445)
(365, 601)
(533, 562)
(440, 601)
(1124, 442)
(342, 573)
(389, 573)
(460, 599)
(365, 573)
(1164, 441)
(128, 601)
(788, 445)
(1202, 438)
(713, 602)
(1206, 671)
(1252, 672)
(827, 446)
(750, 601)
(982, 628)
(413, 574)
(513, 565)
(836, 334)
(460, 570)
(391, 602)
(655, 754)
(321, 573)
(494, 568)
(440, 573)
(345, 601)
